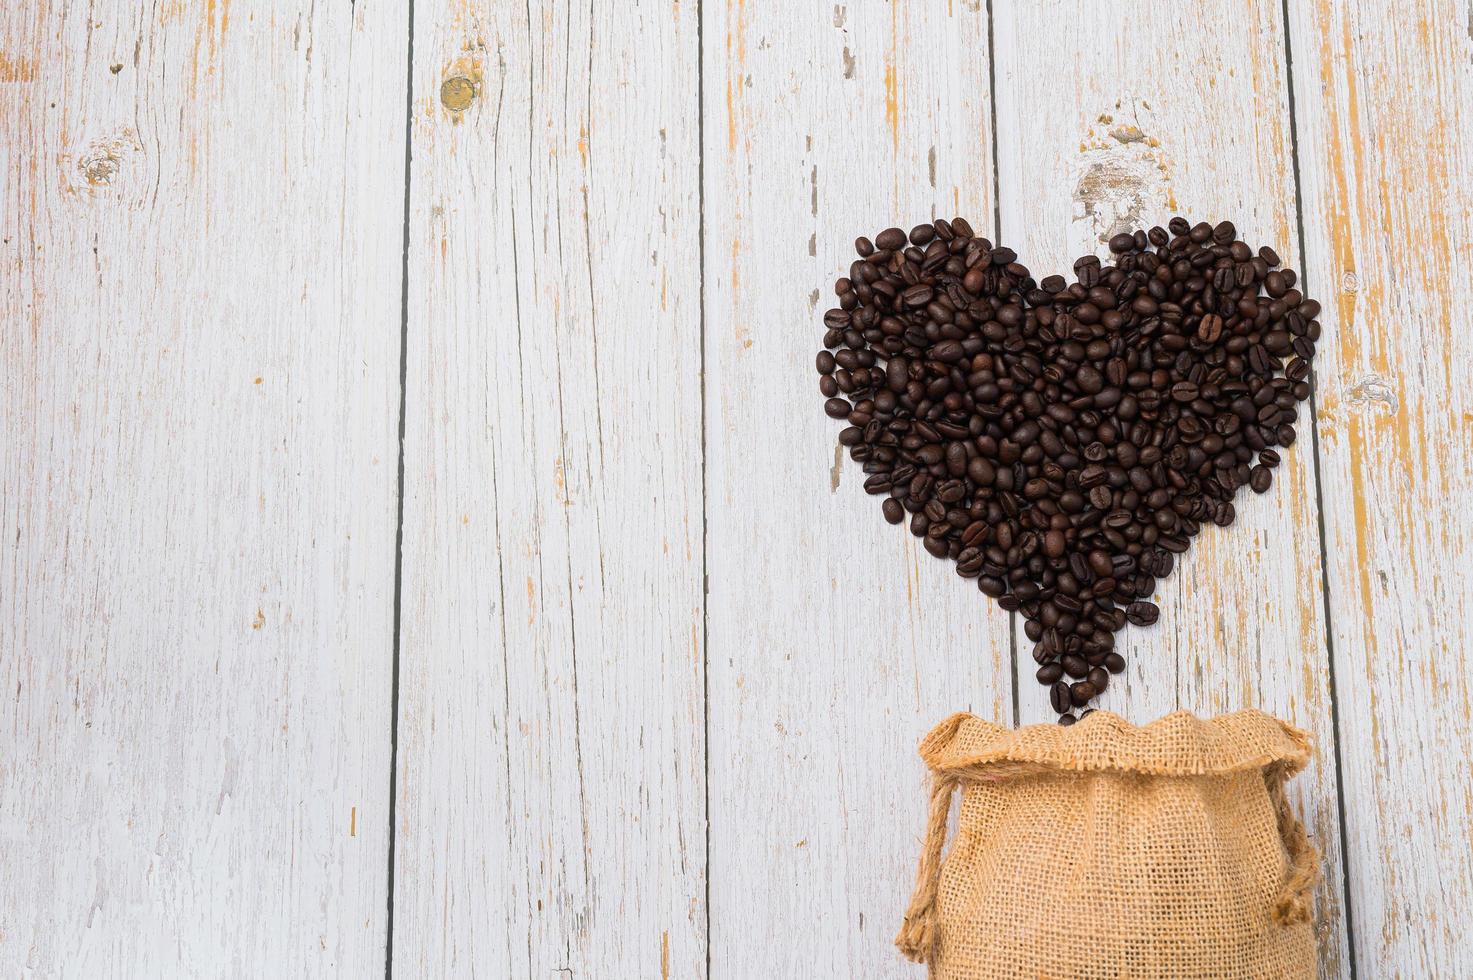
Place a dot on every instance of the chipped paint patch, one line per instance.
(17, 69)
(100, 166)
(1375, 388)
(1124, 177)
(892, 105)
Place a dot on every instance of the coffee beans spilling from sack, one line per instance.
(1062, 442)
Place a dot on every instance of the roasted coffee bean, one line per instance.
(1142, 613)
(1062, 442)
(1059, 697)
(1074, 665)
(890, 239)
(1081, 693)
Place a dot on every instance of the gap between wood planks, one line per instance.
(399, 501)
(1319, 503)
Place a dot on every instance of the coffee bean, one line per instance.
(1260, 478)
(894, 512)
(1142, 613)
(1059, 697)
(1065, 720)
(1081, 693)
(1210, 329)
(1049, 673)
(890, 239)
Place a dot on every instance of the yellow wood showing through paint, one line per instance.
(1384, 98)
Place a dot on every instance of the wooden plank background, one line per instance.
(200, 342)
(421, 546)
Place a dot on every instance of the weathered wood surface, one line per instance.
(661, 665)
(1384, 102)
(551, 792)
(1200, 128)
(200, 337)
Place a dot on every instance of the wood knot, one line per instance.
(457, 93)
(99, 169)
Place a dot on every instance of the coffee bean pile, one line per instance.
(1062, 442)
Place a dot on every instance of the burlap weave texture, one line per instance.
(1106, 850)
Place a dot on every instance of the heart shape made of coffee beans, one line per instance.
(1063, 442)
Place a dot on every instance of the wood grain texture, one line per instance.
(835, 641)
(623, 223)
(1384, 100)
(199, 301)
(551, 750)
(1199, 126)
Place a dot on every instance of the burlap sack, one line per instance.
(1107, 850)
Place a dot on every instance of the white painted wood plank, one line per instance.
(1144, 117)
(200, 241)
(1384, 101)
(551, 751)
(835, 641)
